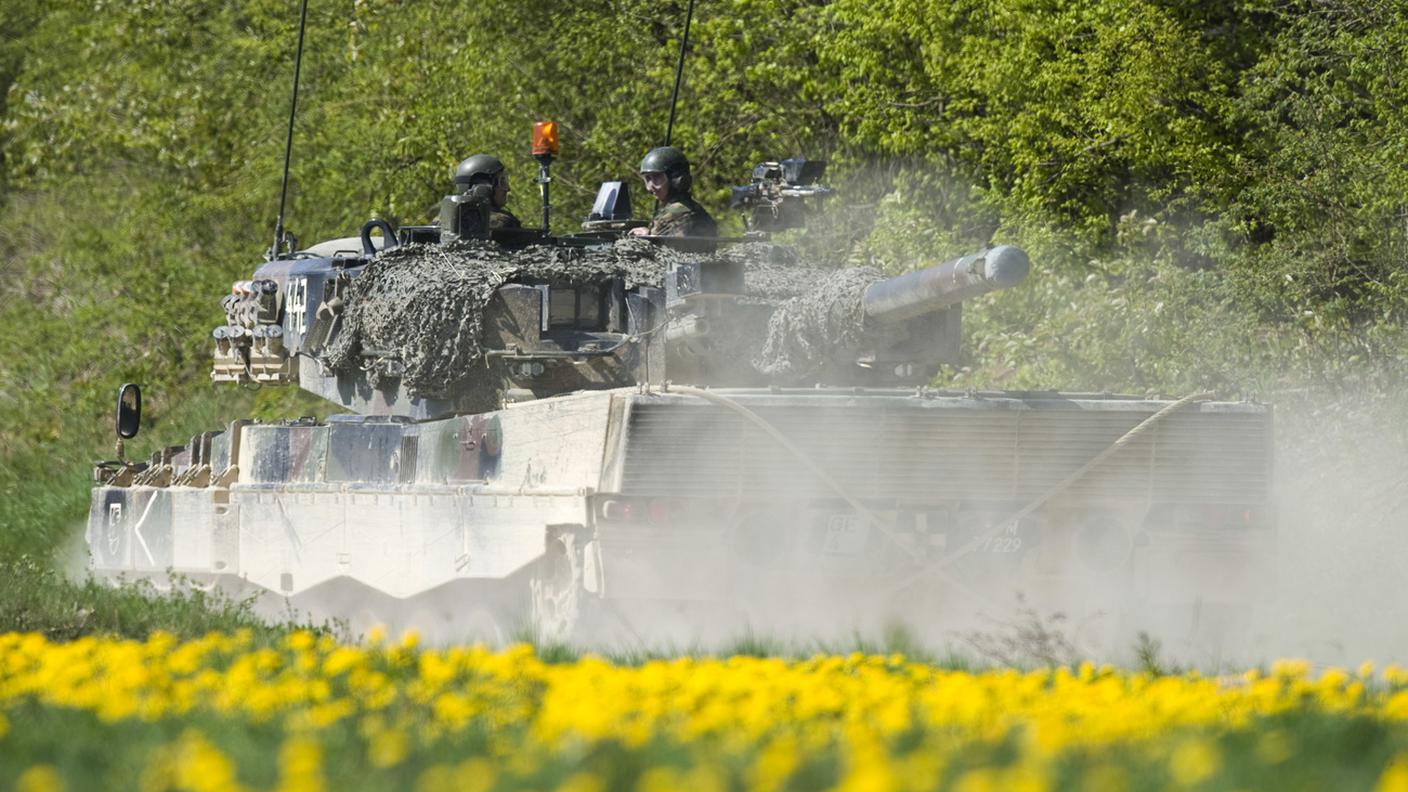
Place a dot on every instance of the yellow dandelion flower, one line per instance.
(1395, 776)
(1275, 746)
(982, 779)
(40, 778)
(387, 748)
(1194, 761)
(301, 765)
(582, 782)
(661, 779)
(474, 775)
(1105, 778)
(774, 764)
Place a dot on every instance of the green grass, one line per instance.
(1327, 751)
(36, 597)
(747, 642)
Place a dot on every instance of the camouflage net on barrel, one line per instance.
(816, 325)
(423, 305)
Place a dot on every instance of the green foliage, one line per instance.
(36, 598)
(1066, 112)
(1324, 201)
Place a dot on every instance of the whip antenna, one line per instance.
(275, 251)
(679, 73)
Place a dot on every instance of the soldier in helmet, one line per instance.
(665, 171)
(485, 173)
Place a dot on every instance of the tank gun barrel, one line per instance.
(932, 288)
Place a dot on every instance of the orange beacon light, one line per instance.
(545, 139)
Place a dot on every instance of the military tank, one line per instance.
(595, 434)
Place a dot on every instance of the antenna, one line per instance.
(679, 74)
(276, 250)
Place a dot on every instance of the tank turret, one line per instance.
(427, 330)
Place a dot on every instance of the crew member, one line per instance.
(488, 171)
(665, 172)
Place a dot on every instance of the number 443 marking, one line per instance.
(296, 305)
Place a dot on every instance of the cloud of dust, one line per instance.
(795, 567)
(1342, 493)
(803, 571)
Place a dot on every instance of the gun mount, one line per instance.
(777, 197)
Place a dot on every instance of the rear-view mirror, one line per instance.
(129, 411)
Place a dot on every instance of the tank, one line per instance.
(598, 434)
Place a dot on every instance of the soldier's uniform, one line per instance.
(481, 177)
(503, 218)
(683, 216)
(680, 215)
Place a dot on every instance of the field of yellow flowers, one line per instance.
(228, 712)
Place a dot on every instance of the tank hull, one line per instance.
(662, 515)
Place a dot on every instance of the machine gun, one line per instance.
(777, 198)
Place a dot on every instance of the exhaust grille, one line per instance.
(947, 449)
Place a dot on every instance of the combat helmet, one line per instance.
(481, 168)
(671, 162)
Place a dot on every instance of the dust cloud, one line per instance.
(1342, 491)
(1325, 583)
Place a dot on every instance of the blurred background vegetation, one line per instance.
(1213, 194)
